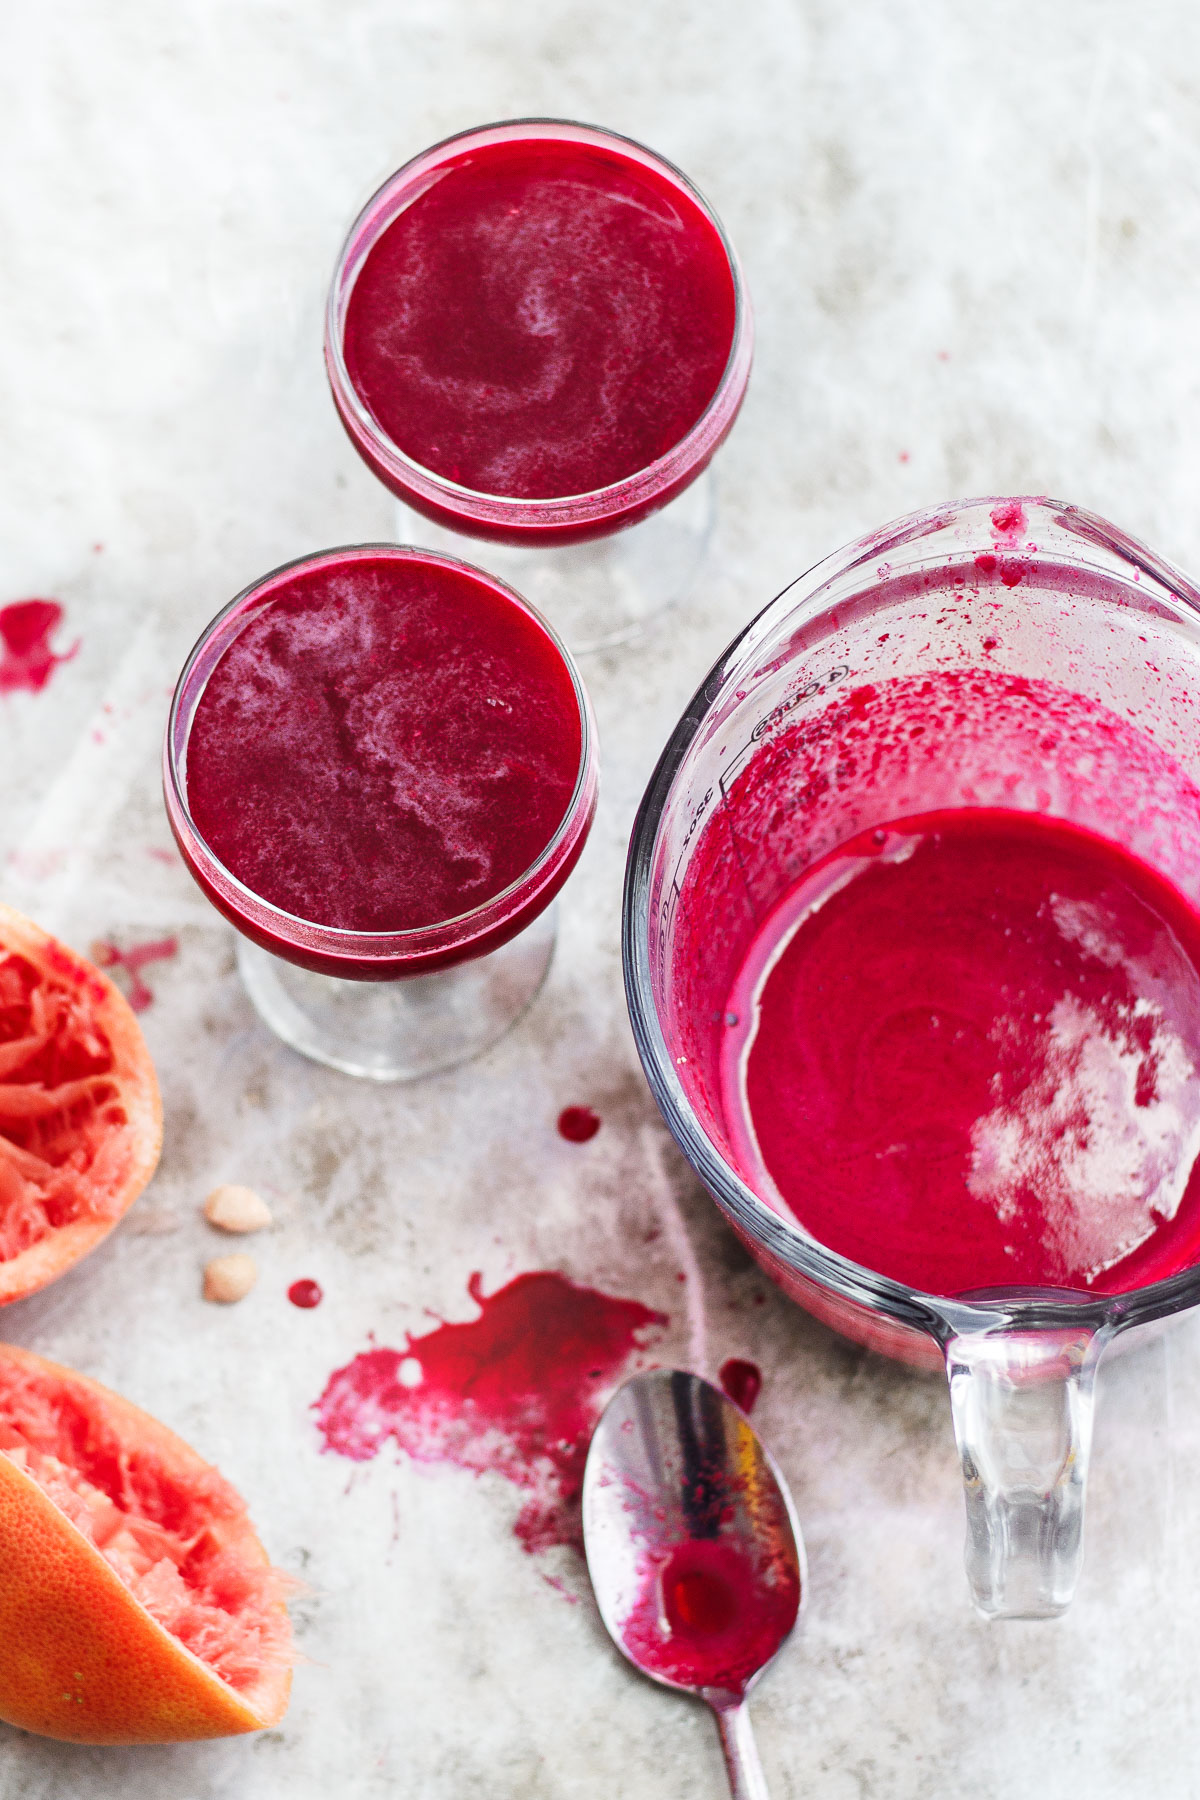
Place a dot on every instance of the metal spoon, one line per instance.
(693, 1548)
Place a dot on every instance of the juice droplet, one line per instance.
(578, 1123)
(305, 1293)
(742, 1381)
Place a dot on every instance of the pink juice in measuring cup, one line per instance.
(961, 1045)
(964, 1050)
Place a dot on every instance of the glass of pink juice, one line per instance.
(538, 334)
(912, 952)
(380, 766)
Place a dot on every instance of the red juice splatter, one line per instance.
(546, 318)
(133, 960)
(708, 1616)
(516, 1391)
(305, 1293)
(742, 1381)
(578, 1123)
(1009, 518)
(26, 627)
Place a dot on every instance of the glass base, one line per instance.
(600, 594)
(400, 1030)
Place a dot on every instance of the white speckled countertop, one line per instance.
(973, 239)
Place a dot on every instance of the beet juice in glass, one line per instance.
(538, 334)
(912, 940)
(380, 766)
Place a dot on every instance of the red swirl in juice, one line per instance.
(532, 313)
(387, 743)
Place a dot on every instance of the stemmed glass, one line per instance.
(600, 564)
(388, 1005)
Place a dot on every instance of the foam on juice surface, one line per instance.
(388, 744)
(545, 319)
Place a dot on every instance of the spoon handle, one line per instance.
(746, 1778)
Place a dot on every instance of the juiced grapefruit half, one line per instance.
(136, 1603)
(80, 1115)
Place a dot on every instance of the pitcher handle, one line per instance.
(1022, 1404)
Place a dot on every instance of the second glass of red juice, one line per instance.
(538, 334)
(380, 765)
(912, 938)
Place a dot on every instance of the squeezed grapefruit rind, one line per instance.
(80, 1657)
(124, 1156)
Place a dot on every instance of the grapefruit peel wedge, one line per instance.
(80, 1112)
(136, 1602)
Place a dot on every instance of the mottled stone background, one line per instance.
(973, 241)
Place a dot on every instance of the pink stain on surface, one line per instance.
(26, 659)
(515, 1392)
(133, 960)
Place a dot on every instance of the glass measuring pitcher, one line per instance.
(1072, 658)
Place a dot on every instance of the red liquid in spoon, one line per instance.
(387, 744)
(708, 1617)
(546, 318)
(965, 1052)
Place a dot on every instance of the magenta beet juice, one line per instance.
(537, 332)
(380, 763)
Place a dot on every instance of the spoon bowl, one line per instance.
(693, 1548)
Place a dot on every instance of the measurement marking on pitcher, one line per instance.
(821, 685)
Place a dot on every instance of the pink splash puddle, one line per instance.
(26, 659)
(133, 960)
(516, 1391)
